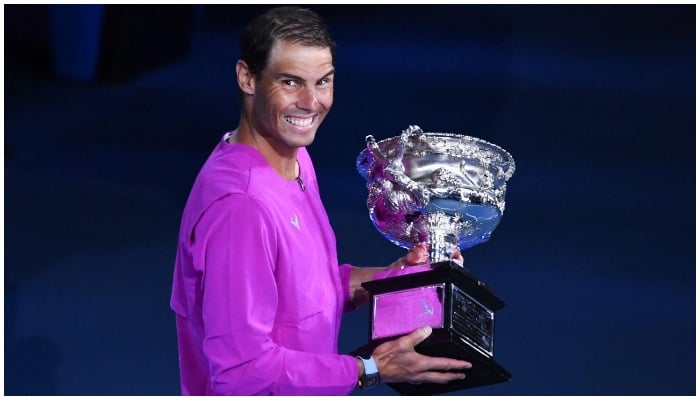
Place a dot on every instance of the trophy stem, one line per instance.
(441, 248)
(442, 243)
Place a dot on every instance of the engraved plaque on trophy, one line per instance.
(447, 191)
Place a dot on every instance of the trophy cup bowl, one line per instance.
(447, 191)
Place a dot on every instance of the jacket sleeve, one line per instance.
(345, 271)
(235, 248)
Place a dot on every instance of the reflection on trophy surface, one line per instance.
(448, 191)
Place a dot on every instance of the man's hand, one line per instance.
(418, 255)
(397, 361)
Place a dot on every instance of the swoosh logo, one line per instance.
(295, 221)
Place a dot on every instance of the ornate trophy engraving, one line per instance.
(448, 191)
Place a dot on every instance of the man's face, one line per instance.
(293, 94)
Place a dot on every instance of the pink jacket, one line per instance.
(257, 290)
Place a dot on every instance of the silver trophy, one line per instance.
(447, 191)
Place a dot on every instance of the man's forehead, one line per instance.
(294, 58)
(288, 49)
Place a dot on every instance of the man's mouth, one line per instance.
(300, 122)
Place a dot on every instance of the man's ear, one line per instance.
(246, 80)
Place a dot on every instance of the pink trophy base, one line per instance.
(400, 312)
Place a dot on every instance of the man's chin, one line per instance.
(302, 139)
(307, 142)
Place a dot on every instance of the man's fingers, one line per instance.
(438, 377)
(417, 255)
(445, 364)
(457, 256)
(417, 336)
(441, 370)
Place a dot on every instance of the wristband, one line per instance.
(370, 378)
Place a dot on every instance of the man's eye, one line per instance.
(289, 82)
(324, 82)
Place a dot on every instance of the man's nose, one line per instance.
(308, 99)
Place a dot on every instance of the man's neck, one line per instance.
(284, 162)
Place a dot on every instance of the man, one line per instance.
(257, 290)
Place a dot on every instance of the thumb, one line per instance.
(419, 335)
(457, 257)
(417, 255)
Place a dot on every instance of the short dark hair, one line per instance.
(291, 24)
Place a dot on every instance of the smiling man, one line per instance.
(285, 103)
(257, 291)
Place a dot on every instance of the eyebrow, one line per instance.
(298, 78)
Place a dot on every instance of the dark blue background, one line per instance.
(594, 256)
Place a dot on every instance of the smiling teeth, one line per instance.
(301, 122)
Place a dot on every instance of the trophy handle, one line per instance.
(393, 169)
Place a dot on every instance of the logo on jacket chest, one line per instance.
(295, 221)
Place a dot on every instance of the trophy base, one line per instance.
(459, 308)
